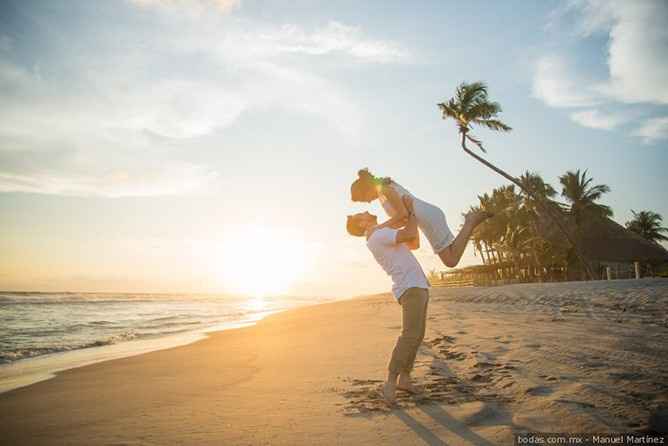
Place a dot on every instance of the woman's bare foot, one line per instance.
(475, 218)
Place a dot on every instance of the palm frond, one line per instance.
(493, 124)
(448, 110)
(477, 142)
(484, 110)
(469, 93)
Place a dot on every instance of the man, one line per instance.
(409, 286)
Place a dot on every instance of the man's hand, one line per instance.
(410, 232)
(408, 202)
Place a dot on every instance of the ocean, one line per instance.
(46, 332)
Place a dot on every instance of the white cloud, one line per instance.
(110, 129)
(637, 66)
(557, 85)
(638, 42)
(598, 120)
(198, 6)
(164, 179)
(653, 130)
(335, 37)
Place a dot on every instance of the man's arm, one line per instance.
(399, 206)
(409, 233)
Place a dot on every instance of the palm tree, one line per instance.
(577, 189)
(469, 107)
(647, 224)
(516, 243)
(535, 221)
(533, 182)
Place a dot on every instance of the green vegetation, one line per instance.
(520, 244)
(647, 224)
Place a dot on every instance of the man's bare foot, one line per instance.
(389, 391)
(475, 218)
(410, 388)
(406, 385)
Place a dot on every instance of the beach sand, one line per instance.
(570, 357)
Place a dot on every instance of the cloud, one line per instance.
(115, 171)
(638, 40)
(557, 85)
(653, 130)
(116, 120)
(198, 6)
(335, 37)
(168, 179)
(636, 66)
(597, 120)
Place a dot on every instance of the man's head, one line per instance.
(357, 224)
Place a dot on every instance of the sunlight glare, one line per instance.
(261, 261)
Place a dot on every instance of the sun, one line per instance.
(260, 261)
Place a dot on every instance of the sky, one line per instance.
(197, 146)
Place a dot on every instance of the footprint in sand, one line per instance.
(364, 396)
(625, 376)
(479, 378)
(440, 340)
(538, 391)
(457, 356)
(503, 339)
(577, 403)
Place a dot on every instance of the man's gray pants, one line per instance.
(413, 325)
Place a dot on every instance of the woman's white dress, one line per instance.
(431, 219)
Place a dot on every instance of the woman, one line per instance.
(431, 219)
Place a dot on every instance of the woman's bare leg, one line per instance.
(453, 253)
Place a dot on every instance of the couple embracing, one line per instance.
(391, 243)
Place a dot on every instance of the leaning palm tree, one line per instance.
(471, 107)
(647, 224)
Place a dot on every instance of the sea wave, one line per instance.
(73, 298)
(34, 324)
(11, 355)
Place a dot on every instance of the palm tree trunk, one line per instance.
(544, 208)
(479, 247)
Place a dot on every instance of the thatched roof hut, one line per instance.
(603, 240)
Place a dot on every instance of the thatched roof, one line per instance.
(604, 240)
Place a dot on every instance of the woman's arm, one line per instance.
(413, 244)
(409, 233)
(398, 220)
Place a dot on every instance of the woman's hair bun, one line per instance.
(364, 174)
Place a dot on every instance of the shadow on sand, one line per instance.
(442, 417)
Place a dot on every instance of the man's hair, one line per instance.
(353, 226)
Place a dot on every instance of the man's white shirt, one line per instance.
(397, 260)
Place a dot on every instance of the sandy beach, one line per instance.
(568, 357)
